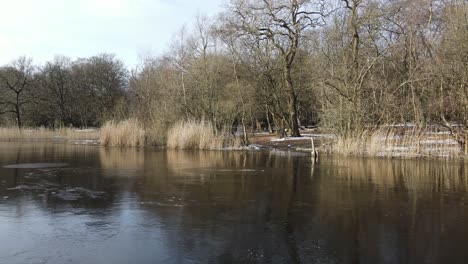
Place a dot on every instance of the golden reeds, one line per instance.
(401, 142)
(14, 133)
(127, 133)
(197, 135)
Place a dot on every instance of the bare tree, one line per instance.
(283, 24)
(16, 83)
(56, 82)
(103, 81)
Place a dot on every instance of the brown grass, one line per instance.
(13, 133)
(197, 135)
(127, 133)
(390, 142)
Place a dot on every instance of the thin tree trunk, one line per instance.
(270, 129)
(244, 131)
(18, 117)
(185, 96)
(292, 107)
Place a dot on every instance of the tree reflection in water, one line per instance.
(225, 206)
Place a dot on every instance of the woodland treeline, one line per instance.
(346, 65)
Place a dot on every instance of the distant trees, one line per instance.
(101, 87)
(57, 92)
(63, 92)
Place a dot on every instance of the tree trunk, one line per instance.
(292, 107)
(267, 112)
(18, 117)
(293, 117)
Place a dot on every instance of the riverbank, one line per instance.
(389, 143)
(385, 142)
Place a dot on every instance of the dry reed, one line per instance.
(391, 142)
(14, 133)
(127, 133)
(197, 135)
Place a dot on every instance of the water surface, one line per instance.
(105, 205)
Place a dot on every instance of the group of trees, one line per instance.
(395, 61)
(271, 64)
(62, 92)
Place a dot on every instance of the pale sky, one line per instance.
(42, 29)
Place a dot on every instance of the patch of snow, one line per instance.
(85, 142)
(249, 147)
(401, 125)
(289, 139)
(304, 137)
(439, 133)
(284, 153)
(319, 135)
(440, 141)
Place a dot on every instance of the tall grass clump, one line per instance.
(401, 142)
(193, 134)
(127, 133)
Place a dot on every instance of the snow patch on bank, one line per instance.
(440, 141)
(304, 137)
(85, 142)
(249, 147)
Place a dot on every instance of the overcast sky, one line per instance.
(81, 28)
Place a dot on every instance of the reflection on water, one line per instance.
(154, 206)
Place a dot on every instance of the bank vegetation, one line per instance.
(350, 67)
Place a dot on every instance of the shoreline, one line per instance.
(427, 145)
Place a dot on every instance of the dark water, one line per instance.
(149, 206)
